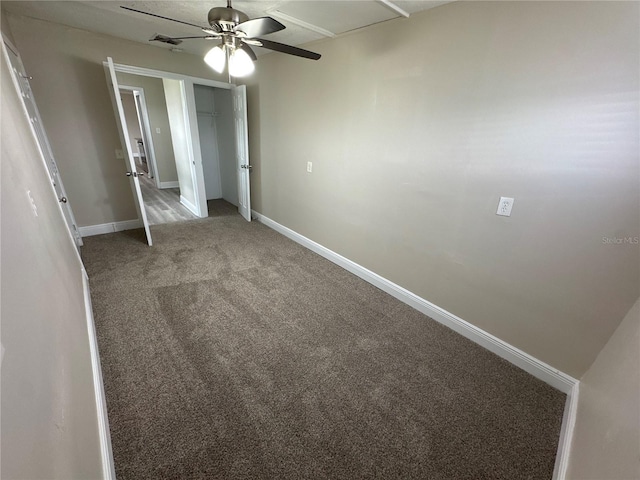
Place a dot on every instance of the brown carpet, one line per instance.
(228, 351)
(219, 208)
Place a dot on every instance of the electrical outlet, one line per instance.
(504, 206)
(309, 167)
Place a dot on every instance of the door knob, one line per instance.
(63, 199)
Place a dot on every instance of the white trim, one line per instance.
(148, 72)
(143, 117)
(145, 130)
(10, 44)
(106, 453)
(394, 7)
(193, 148)
(566, 433)
(91, 230)
(172, 184)
(190, 206)
(528, 363)
(301, 23)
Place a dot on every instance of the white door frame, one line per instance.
(145, 124)
(243, 168)
(191, 116)
(42, 141)
(121, 123)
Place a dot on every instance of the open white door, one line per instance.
(114, 91)
(242, 150)
(22, 83)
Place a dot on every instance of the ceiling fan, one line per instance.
(238, 34)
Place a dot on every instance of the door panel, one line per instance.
(26, 93)
(114, 91)
(242, 150)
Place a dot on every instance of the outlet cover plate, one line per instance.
(504, 206)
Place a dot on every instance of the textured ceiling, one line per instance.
(107, 17)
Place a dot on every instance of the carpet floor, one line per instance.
(229, 351)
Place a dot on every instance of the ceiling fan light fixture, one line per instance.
(240, 64)
(216, 58)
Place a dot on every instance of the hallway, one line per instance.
(163, 205)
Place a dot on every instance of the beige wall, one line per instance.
(4, 26)
(607, 433)
(417, 126)
(70, 88)
(158, 118)
(48, 407)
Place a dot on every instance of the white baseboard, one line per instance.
(566, 433)
(90, 230)
(190, 206)
(530, 364)
(106, 453)
(173, 184)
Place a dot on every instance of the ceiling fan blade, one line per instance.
(259, 26)
(250, 52)
(160, 16)
(165, 39)
(281, 47)
(206, 37)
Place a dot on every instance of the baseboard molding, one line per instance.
(106, 453)
(91, 230)
(566, 433)
(190, 206)
(169, 184)
(530, 364)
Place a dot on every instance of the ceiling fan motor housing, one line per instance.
(226, 18)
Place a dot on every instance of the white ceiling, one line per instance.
(303, 18)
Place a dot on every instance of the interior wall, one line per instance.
(71, 91)
(5, 27)
(158, 118)
(416, 127)
(179, 138)
(206, 113)
(607, 431)
(131, 116)
(48, 407)
(226, 145)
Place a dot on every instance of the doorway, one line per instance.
(181, 107)
(214, 108)
(146, 120)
